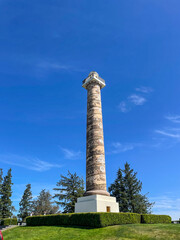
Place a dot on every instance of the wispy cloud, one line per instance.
(137, 100)
(174, 119)
(118, 147)
(144, 89)
(55, 66)
(123, 107)
(167, 205)
(31, 163)
(70, 154)
(172, 133)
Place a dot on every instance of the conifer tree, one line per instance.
(26, 203)
(69, 189)
(7, 207)
(117, 189)
(43, 204)
(133, 186)
(127, 189)
(1, 180)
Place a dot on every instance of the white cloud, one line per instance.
(144, 89)
(167, 205)
(137, 100)
(72, 155)
(123, 107)
(57, 66)
(172, 133)
(168, 136)
(46, 65)
(134, 99)
(31, 163)
(118, 147)
(174, 119)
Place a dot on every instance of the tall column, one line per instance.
(95, 156)
(96, 198)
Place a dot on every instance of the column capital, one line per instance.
(93, 77)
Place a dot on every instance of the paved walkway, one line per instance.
(4, 228)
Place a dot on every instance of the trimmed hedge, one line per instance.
(95, 220)
(8, 221)
(84, 219)
(108, 219)
(151, 218)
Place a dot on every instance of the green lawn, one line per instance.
(122, 232)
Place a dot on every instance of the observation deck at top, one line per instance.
(93, 77)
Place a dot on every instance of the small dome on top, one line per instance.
(94, 73)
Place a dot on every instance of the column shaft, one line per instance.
(95, 156)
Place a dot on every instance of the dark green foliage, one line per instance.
(142, 204)
(25, 203)
(8, 221)
(127, 190)
(43, 204)
(48, 220)
(84, 219)
(1, 175)
(117, 189)
(95, 220)
(69, 189)
(6, 189)
(151, 218)
(107, 219)
(1, 180)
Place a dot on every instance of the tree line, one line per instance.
(126, 188)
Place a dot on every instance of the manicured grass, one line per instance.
(121, 232)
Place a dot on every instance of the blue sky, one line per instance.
(47, 47)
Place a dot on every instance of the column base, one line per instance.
(96, 203)
(96, 192)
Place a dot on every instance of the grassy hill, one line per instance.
(122, 232)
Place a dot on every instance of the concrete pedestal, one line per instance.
(96, 203)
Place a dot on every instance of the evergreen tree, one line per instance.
(133, 186)
(127, 189)
(142, 204)
(1, 180)
(7, 207)
(25, 203)
(43, 204)
(117, 189)
(69, 189)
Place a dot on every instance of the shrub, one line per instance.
(151, 218)
(48, 220)
(108, 219)
(8, 221)
(84, 219)
(95, 219)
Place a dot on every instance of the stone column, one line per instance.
(96, 198)
(95, 156)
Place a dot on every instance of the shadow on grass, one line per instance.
(64, 226)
